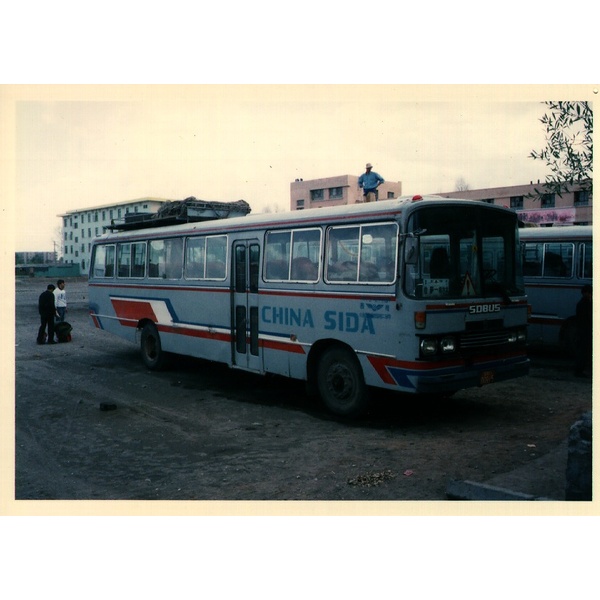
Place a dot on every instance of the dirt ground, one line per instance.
(93, 424)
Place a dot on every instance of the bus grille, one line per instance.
(482, 339)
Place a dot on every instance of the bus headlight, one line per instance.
(447, 344)
(428, 346)
(522, 335)
(512, 337)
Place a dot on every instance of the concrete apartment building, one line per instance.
(81, 226)
(331, 191)
(573, 207)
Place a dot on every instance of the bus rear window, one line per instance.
(103, 263)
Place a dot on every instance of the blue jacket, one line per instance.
(370, 180)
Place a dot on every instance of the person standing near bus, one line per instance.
(60, 297)
(583, 316)
(47, 311)
(369, 181)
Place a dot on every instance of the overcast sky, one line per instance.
(81, 147)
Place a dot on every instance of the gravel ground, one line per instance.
(93, 424)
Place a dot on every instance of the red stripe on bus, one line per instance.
(381, 364)
(282, 346)
(128, 310)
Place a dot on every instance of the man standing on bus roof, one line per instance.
(369, 181)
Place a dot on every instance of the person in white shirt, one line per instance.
(60, 300)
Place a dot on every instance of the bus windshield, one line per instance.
(463, 252)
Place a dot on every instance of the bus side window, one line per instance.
(585, 259)
(194, 258)
(124, 260)
(138, 259)
(277, 255)
(109, 268)
(558, 260)
(532, 260)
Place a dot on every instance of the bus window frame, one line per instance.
(131, 256)
(268, 263)
(93, 263)
(167, 268)
(362, 228)
(205, 239)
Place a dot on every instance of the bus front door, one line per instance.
(244, 318)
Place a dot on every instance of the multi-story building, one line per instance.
(535, 204)
(81, 226)
(330, 191)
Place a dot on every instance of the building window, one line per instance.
(582, 198)
(548, 200)
(390, 195)
(317, 195)
(104, 215)
(299, 204)
(89, 217)
(336, 193)
(110, 212)
(516, 201)
(488, 200)
(95, 217)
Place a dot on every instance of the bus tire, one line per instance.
(153, 355)
(341, 382)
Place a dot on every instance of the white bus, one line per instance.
(557, 263)
(394, 294)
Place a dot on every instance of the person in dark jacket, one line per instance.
(583, 316)
(47, 311)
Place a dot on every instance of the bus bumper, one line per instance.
(471, 376)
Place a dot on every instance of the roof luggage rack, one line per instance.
(190, 210)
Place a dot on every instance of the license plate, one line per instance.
(486, 377)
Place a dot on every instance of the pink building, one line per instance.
(573, 207)
(330, 191)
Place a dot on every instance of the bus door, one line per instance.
(244, 318)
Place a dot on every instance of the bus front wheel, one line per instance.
(341, 382)
(152, 353)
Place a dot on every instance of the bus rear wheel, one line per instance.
(341, 383)
(152, 353)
